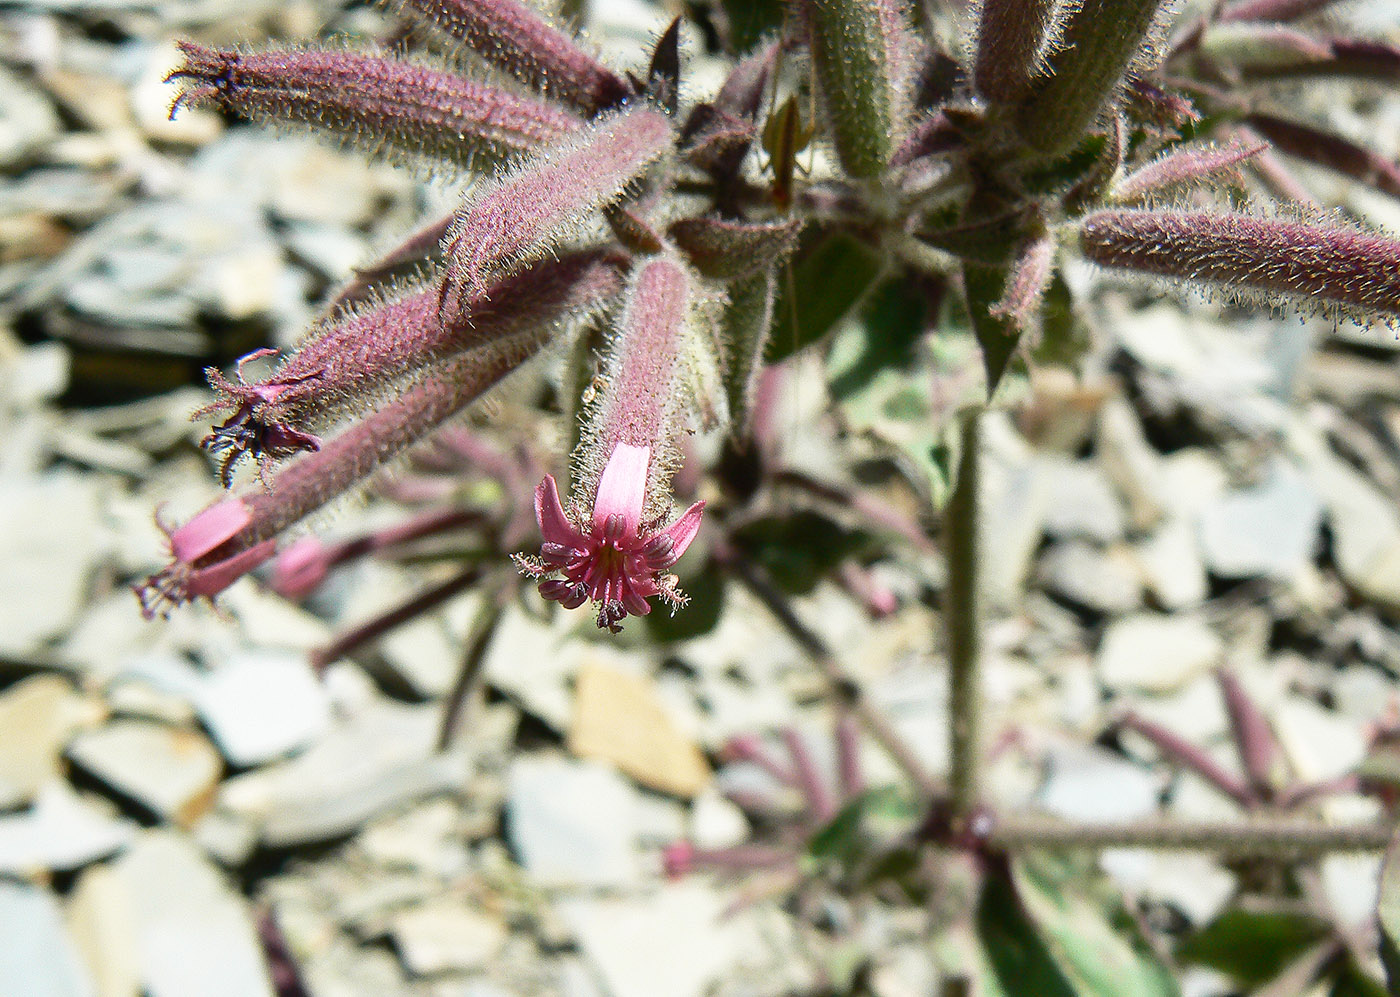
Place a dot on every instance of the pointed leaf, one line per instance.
(1088, 933)
(1249, 944)
(998, 337)
(824, 286)
(726, 250)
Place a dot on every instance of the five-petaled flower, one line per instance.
(613, 558)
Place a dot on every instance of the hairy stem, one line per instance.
(1263, 837)
(962, 622)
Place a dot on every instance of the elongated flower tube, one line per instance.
(515, 218)
(1010, 40)
(1100, 39)
(378, 103)
(1190, 163)
(1355, 271)
(613, 549)
(235, 535)
(853, 57)
(345, 362)
(510, 35)
(1328, 149)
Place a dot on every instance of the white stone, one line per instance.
(261, 705)
(1268, 529)
(51, 539)
(99, 916)
(1104, 581)
(37, 956)
(1086, 782)
(683, 929)
(1172, 566)
(37, 717)
(193, 932)
(366, 764)
(1352, 883)
(1321, 743)
(61, 831)
(1156, 653)
(427, 838)
(1130, 462)
(1080, 502)
(1365, 531)
(446, 935)
(715, 822)
(170, 771)
(572, 823)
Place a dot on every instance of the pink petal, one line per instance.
(622, 489)
(301, 568)
(683, 530)
(549, 513)
(212, 580)
(209, 529)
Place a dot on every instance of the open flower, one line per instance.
(614, 559)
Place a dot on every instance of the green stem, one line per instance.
(1258, 837)
(962, 621)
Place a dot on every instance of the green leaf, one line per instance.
(1019, 956)
(871, 818)
(881, 338)
(783, 545)
(701, 614)
(1064, 338)
(822, 287)
(997, 337)
(751, 20)
(1388, 914)
(1250, 944)
(1089, 933)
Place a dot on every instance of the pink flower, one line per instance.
(615, 559)
(206, 558)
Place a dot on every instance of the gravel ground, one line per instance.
(188, 808)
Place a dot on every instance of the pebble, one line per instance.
(170, 771)
(261, 705)
(716, 822)
(1156, 653)
(1269, 529)
(1013, 499)
(1081, 502)
(193, 931)
(28, 120)
(37, 715)
(425, 838)
(572, 823)
(49, 561)
(61, 831)
(99, 912)
(1089, 783)
(1365, 531)
(1106, 581)
(533, 663)
(1172, 566)
(369, 763)
(37, 956)
(1321, 743)
(619, 718)
(1130, 462)
(683, 928)
(445, 935)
